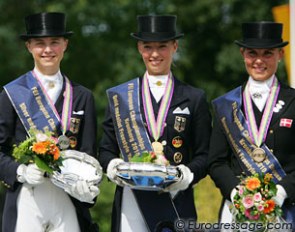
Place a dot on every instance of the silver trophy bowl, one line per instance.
(76, 166)
(147, 176)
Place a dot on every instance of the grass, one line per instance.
(207, 200)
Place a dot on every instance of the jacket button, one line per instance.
(271, 131)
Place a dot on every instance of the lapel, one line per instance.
(179, 95)
(287, 96)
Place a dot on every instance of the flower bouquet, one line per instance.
(254, 200)
(41, 149)
(148, 171)
(150, 157)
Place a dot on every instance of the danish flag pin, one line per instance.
(286, 122)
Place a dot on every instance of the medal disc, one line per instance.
(63, 142)
(258, 155)
(158, 147)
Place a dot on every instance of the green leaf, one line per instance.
(42, 165)
(25, 159)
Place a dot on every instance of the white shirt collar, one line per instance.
(259, 91)
(260, 85)
(157, 81)
(56, 78)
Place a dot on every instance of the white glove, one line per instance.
(281, 195)
(186, 178)
(233, 193)
(112, 171)
(83, 192)
(30, 174)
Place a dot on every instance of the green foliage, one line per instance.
(101, 212)
(21, 149)
(145, 157)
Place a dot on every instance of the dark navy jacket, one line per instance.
(195, 136)
(13, 132)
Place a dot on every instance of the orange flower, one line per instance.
(269, 206)
(40, 148)
(54, 151)
(252, 183)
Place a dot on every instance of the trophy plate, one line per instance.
(147, 176)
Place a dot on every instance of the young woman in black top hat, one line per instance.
(180, 135)
(37, 99)
(253, 128)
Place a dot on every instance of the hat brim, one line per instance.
(155, 37)
(261, 44)
(28, 36)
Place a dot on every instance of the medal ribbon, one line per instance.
(67, 104)
(258, 136)
(156, 128)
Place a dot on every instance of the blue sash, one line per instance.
(132, 138)
(236, 129)
(31, 104)
(131, 134)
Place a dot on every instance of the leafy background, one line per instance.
(102, 54)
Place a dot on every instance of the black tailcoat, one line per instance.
(12, 132)
(195, 136)
(224, 166)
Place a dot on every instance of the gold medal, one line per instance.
(177, 142)
(177, 157)
(158, 148)
(258, 155)
(63, 142)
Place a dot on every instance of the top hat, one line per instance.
(51, 24)
(262, 35)
(156, 28)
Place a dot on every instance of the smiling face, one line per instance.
(47, 53)
(260, 63)
(157, 56)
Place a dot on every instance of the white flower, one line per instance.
(40, 137)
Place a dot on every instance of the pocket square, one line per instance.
(80, 112)
(180, 111)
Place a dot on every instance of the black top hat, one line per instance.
(262, 35)
(156, 28)
(46, 25)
